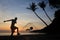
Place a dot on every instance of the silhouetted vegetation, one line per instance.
(33, 8)
(54, 3)
(54, 27)
(43, 5)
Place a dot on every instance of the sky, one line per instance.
(9, 9)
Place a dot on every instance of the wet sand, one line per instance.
(31, 37)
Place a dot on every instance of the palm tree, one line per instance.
(42, 5)
(33, 8)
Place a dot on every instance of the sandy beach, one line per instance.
(31, 37)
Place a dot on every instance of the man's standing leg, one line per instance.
(12, 31)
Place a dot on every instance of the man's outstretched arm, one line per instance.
(8, 20)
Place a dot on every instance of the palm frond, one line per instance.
(32, 7)
(42, 4)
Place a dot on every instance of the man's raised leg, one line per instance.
(17, 30)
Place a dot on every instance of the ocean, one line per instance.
(3, 34)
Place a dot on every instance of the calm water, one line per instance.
(2, 34)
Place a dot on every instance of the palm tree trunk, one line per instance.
(40, 18)
(47, 15)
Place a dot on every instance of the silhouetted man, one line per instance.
(13, 27)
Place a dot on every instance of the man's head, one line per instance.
(15, 18)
